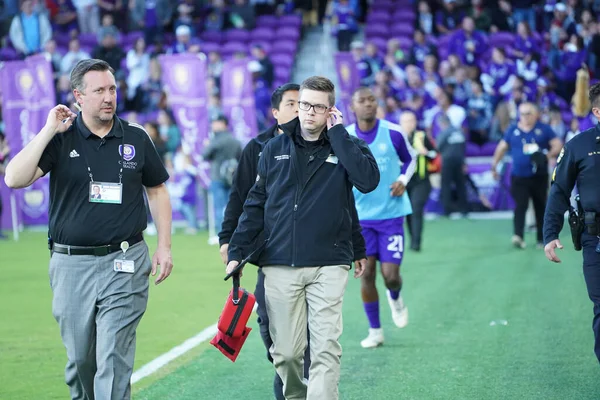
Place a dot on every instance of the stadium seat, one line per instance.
(237, 35)
(262, 33)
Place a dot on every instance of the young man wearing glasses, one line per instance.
(532, 144)
(302, 199)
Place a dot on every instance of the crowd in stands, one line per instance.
(476, 60)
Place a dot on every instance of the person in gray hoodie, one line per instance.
(223, 152)
(451, 145)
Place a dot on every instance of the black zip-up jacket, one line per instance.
(244, 179)
(307, 223)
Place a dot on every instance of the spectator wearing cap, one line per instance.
(468, 43)
(448, 18)
(185, 18)
(29, 30)
(267, 73)
(184, 43)
(561, 27)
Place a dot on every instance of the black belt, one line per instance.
(94, 250)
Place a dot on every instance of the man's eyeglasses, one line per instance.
(319, 108)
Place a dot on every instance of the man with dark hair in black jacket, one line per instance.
(302, 199)
(284, 105)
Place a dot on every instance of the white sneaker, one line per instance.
(518, 242)
(374, 339)
(399, 311)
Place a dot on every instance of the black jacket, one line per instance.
(307, 223)
(576, 164)
(244, 178)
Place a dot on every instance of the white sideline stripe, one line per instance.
(177, 351)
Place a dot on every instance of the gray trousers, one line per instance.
(98, 311)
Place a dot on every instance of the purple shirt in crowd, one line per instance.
(468, 48)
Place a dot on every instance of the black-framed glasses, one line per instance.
(319, 108)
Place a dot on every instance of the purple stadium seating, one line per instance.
(211, 36)
(282, 73)
(402, 29)
(378, 17)
(381, 43)
(488, 149)
(284, 60)
(237, 35)
(262, 33)
(267, 21)
(266, 46)
(132, 37)
(288, 33)
(284, 47)
(88, 39)
(234, 47)
(404, 16)
(8, 54)
(209, 47)
(405, 42)
(291, 20)
(376, 31)
(383, 5)
(472, 150)
(501, 39)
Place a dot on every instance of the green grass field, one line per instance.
(467, 277)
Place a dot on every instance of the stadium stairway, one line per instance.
(315, 55)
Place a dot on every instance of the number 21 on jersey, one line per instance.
(396, 245)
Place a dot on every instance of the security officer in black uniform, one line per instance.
(578, 164)
(284, 106)
(99, 263)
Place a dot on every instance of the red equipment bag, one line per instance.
(237, 310)
(229, 346)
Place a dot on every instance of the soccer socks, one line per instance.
(372, 310)
(394, 294)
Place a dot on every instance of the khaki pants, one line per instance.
(295, 296)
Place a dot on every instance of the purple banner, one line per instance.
(348, 82)
(496, 193)
(184, 79)
(27, 96)
(237, 99)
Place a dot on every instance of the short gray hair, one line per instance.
(85, 66)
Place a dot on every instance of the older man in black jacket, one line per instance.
(302, 199)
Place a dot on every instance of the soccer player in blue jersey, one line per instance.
(381, 212)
